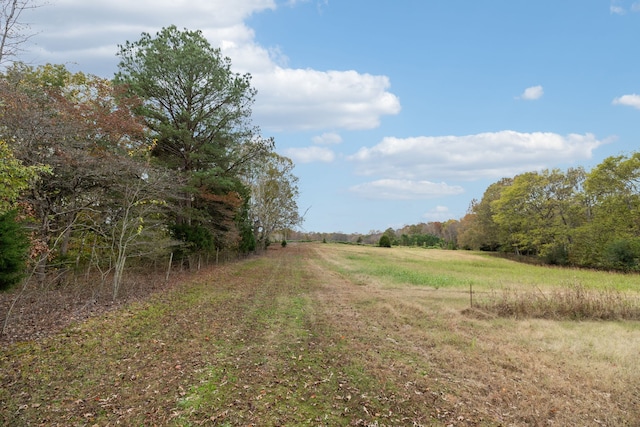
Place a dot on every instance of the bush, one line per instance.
(556, 255)
(385, 241)
(14, 246)
(284, 243)
(621, 255)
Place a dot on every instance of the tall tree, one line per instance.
(199, 112)
(274, 194)
(479, 229)
(537, 212)
(611, 231)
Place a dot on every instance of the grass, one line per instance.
(572, 303)
(339, 335)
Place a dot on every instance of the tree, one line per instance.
(385, 241)
(274, 194)
(536, 213)
(479, 230)
(199, 113)
(81, 129)
(132, 220)
(13, 31)
(611, 228)
(14, 245)
(15, 178)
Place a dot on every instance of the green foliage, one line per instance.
(247, 238)
(622, 254)
(422, 240)
(283, 243)
(14, 177)
(556, 254)
(274, 194)
(196, 237)
(14, 246)
(385, 241)
(199, 113)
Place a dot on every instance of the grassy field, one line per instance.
(337, 335)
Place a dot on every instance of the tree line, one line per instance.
(162, 161)
(573, 217)
(570, 217)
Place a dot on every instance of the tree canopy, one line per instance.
(198, 112)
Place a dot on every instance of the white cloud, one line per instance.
(310, 154)
(305, 99)
(439, 213)
(532, 93)
(327, 138)
(402, 189)
(628, 100)
(86, 34)
(621, 7)
(472, 157)
(616, 10)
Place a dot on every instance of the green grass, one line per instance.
(450, 269)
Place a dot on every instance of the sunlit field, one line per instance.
(459, 269)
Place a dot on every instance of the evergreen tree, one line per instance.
(14, 247)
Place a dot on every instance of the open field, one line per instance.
(319, 335)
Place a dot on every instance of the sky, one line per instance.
(397, 112)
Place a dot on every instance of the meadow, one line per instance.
(326, 335)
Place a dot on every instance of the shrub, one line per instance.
(385, 241)
(284, 243)
(621, 255)
(556, 255)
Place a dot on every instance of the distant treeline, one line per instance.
(574, 217)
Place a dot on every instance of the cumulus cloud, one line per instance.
(471, 157)
(532, 93)
(87, 34)
(327, 138)
(310, 154)
(403, 189)
(305, 99)
(632, 100)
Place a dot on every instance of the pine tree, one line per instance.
(14, 246)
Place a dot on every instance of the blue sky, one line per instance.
(398, 112)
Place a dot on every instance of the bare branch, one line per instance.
(13, 31)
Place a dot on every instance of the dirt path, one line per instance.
(289, 340)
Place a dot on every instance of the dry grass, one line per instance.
(572, 303)
(311, 335)
(485, 369)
